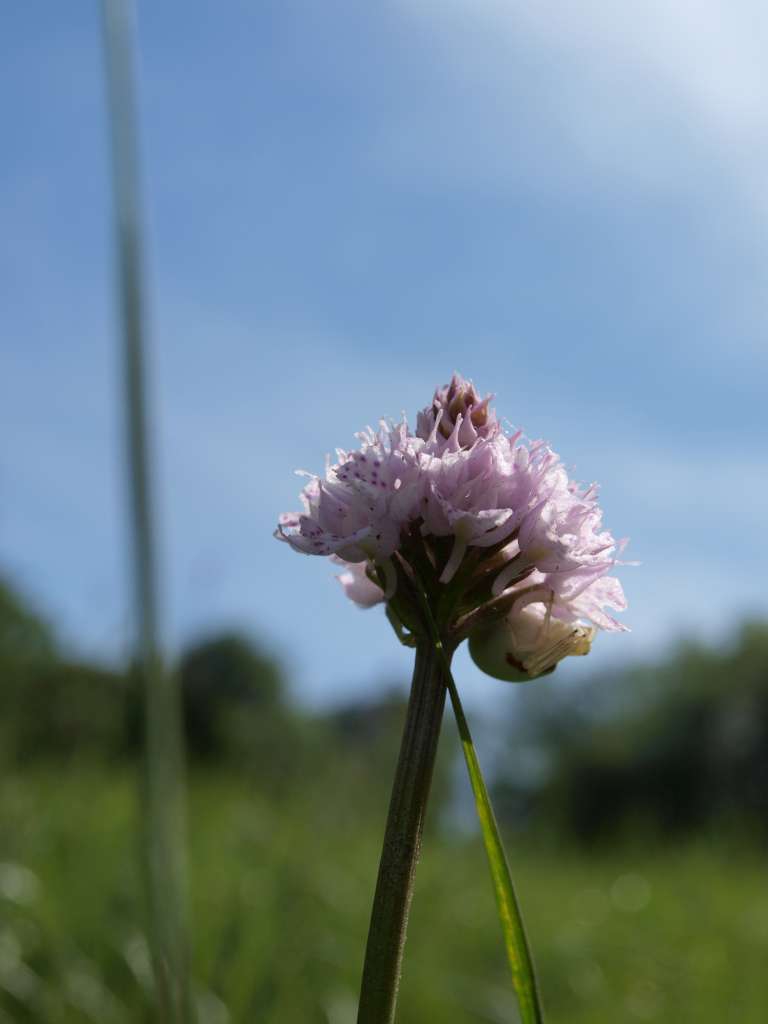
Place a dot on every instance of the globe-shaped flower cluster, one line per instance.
(488, 529)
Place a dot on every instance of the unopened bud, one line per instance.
(458, 401)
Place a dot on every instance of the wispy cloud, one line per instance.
(564, 201)
(623, 95)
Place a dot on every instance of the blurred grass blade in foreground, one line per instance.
(163, 811)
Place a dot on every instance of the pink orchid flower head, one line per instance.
(509, 551)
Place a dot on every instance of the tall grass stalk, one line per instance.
(162, 783)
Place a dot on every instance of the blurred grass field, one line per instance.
(639, 854)
(281, 894)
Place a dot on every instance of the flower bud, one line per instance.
(459, 404)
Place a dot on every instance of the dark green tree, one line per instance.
(226, 685)
(674, 748)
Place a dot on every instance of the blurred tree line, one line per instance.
(237, 713)
(676, 747)
(671, 748)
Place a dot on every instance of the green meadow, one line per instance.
(281, 892)
(637, 846)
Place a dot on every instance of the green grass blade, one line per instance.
(515, 939)
(163, 782)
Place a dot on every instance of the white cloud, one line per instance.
(562, 94)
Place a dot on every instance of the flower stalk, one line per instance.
(402, 838)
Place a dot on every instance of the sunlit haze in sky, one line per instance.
(345, 203)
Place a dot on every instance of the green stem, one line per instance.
(402, 839)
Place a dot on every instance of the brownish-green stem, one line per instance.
(402, 839)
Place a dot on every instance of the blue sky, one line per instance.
(345, 203)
